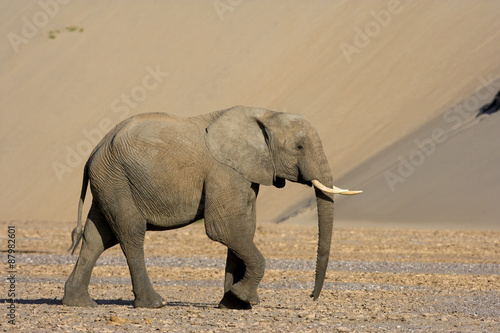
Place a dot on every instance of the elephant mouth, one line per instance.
(301, 179)
(279, 182)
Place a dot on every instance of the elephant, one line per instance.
(156, 171)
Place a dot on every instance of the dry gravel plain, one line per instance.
(379, 280)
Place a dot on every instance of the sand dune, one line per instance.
(446, 175)
(453, 180)
(366, 73)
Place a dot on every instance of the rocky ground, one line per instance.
(379, 280)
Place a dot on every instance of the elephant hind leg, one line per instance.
(97, 237)
(132, 244)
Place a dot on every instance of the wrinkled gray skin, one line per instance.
(158, 172)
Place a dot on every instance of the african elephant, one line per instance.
(155, 171)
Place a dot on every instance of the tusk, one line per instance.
(334, 189)
(351, 192)
(326, 189)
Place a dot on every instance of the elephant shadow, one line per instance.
(39, 301)
(130, 303)
(117, 302)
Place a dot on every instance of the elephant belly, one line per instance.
(168, 197)
(168, 207)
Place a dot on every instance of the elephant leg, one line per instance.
(236, 229)
(235, 267)
(97, 237)
(251, 263)
(246, 288)
(132, 244)
(235, 270)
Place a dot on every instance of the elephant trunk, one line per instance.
(316, 170)
(324, 203)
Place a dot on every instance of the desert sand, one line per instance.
(393, 89)
(379, 280)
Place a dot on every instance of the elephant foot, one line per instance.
(78, 299)
(229, 301)
(245, 293)
(149, 302)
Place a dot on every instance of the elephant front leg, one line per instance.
(245, 264)
(235, 270)
(246, 288)
(230, 219)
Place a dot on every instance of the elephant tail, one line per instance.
(77, 234)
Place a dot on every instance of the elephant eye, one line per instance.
(300, 147)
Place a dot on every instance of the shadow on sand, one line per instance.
(118, 302)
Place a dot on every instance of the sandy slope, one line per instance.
(445, 174)
(58, 95)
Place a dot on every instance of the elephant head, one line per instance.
(269, 147)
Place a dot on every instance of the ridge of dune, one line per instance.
(59, 95)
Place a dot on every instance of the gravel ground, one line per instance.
(379, 280)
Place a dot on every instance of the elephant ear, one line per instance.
(238, 139)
